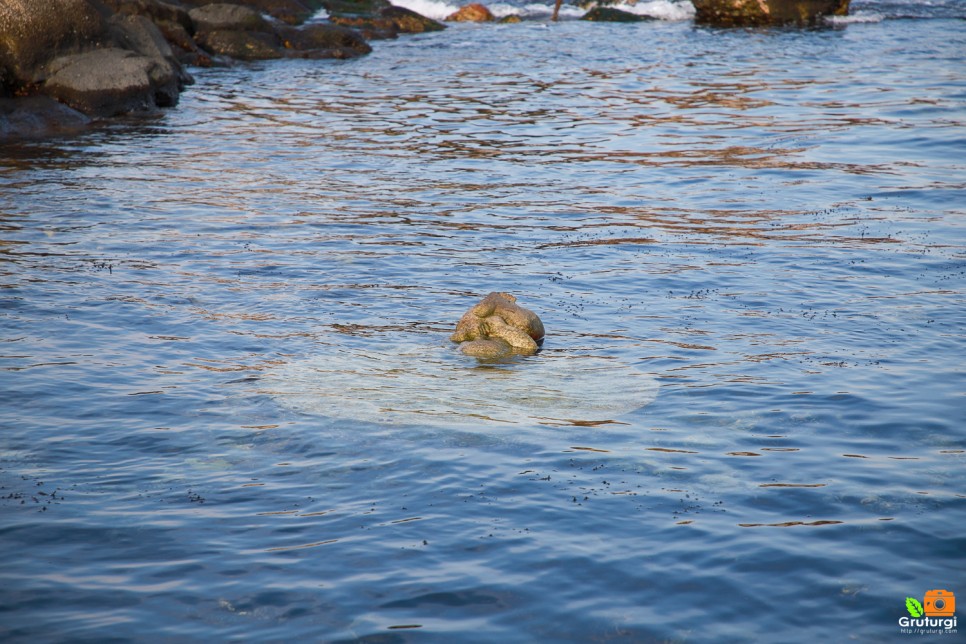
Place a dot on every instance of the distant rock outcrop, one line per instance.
(755, 13)
(473, 12)
(609, 14)
(378, 19)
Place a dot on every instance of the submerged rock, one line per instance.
(473, 12)
(754, 13)
(405, 380)
(497, 327)
(38, 116)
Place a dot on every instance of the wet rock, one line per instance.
(609, 14)
(236, 32)
(410, 22)
(228, 17)
(473, 12)
(82, 54)
(510, 19)
(242, 33)
(487, 349)
(292, 12)
(138, 34)
(324, 41)
(752, 13)
(157, 11)
(38, 116)
(111, 81)
(355, 7)
(173, 23)
(590, 4)
(241, 45)
(496, 321)
(378, 18)
(371, 28)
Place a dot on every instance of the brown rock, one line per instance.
(370, 28)
(34, 32)
(474, 12)
(243, 45)
(318, 37)
(410, 22)
(752, 13)
(228, 17)
(499, 318)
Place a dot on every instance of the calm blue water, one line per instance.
(221, 327)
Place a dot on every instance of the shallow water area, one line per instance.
(231, 409)
(411, 383)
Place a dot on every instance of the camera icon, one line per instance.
(939, 603)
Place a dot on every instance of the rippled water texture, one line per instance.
(231, 410)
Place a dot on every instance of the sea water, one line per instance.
(230, 408)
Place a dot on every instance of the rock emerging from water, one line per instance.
(473, 12)
(609, 14)
(498, 327)
(758, 13)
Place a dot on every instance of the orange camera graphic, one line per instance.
(939, 603)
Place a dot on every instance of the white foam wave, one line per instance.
(661, 9)
(429, 8)
(859, 17)
(319, 16)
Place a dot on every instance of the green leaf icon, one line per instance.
(914, 607)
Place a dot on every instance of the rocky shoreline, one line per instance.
(67, 63)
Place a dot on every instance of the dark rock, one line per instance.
(378, 18)
(182, 44)
(80, 53)
(510, 19)
(111, 81)
(38, 116)
(371, 28)
(236, 31)
(157, 11)
(590, 4)
(243, 45)
(368, 8)
(754, 13)
(410, 22)
(140, 35)
(609, 14)
(292, 12)
(321, 37)
(228, 17)
(34, 32)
